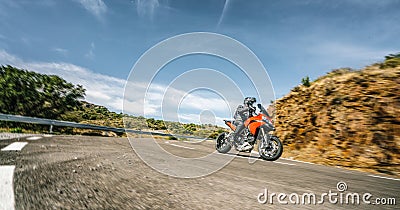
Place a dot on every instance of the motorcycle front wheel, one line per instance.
(222, 144)
(270, 152)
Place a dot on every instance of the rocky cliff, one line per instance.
(346, 118)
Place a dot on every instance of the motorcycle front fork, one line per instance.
(265, 138)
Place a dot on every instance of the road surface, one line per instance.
(81, 172)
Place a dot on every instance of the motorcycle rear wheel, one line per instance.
(271, 152)
(222, 144)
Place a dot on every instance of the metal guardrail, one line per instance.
(35, 120)
(42, 121)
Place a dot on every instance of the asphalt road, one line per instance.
(77, 172)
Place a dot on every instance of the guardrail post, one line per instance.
(51, 129)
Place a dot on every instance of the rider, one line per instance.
(243, 112)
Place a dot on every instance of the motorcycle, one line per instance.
(257, 127)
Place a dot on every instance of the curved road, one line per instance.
(77, 172)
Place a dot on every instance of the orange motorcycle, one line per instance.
(257, 127)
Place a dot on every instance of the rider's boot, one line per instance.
(242, 145)
(245, 146)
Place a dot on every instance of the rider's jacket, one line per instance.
(242, 113)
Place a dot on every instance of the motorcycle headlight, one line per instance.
(265, 119)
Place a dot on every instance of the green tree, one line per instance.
(29, 93)
(306, 81)
(391, 61)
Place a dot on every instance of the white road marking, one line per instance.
(6, 187)
(233, 155)
(290, 164)
(198, 141)
(247, 157)
(4, 136)
(176, 145)
(34, 138)
(297, 161)
(16, 146)
(256, 153)
(383, 177)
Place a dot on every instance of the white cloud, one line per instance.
(90, 54)
(98, 95)
(96, 7)
(109, 92)
(223, 13)
(147, 8)
(198, 119)
(101, 89)
(172, 104)
(6, 58)
(195, 102)
(61, 51)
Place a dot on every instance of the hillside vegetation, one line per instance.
(346, 118)
(32, 94)
(28, 93)
(99, 115)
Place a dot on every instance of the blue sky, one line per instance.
(96, 42)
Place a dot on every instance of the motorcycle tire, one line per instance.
(222, 145)
(266, 154)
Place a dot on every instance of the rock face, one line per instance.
(346, 118)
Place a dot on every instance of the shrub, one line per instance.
(172, 138)
(16, 130)
(296, 89)
(306, 81)
(213, 135)
(391, 61)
